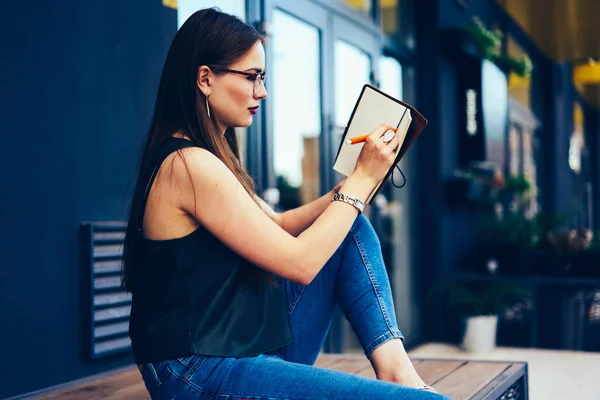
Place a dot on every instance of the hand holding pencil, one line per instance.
(378, 154)
(361, 139)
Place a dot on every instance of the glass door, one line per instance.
(295, 128)
(317, 63)
(355, 54)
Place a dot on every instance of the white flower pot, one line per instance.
(480, 334)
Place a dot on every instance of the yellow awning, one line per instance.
(566, 31)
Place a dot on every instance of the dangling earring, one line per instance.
(207, 106)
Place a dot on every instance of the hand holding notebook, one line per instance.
(373, 108)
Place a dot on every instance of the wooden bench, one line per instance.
(457, 379)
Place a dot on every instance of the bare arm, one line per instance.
(216, 199)
(297, 220)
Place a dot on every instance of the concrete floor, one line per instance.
(553, 374)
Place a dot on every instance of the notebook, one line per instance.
(373, 108)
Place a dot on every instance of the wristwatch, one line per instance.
(352, 200)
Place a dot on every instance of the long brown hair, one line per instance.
(208, 37)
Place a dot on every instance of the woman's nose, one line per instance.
(261, 91)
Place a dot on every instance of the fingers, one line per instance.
(379, 132)
(388, 136)
(392, 147)
(385, 141)
(393, 143)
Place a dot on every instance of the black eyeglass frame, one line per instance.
(256, 76)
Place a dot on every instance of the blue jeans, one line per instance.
(355, 276)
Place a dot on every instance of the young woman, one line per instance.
(231, 299)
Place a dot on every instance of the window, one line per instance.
(296, 98)
(579, 162)
(352, 71)
(523, 140)
(390, 71)
(577, 142)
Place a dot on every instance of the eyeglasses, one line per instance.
(258, 79)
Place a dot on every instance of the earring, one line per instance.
(207, 106)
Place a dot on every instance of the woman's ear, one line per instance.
(203, 79)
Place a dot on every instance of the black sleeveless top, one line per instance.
(194, 295)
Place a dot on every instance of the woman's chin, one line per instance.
(247, 123)
(241, 123)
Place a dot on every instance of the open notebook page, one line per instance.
(373, 109)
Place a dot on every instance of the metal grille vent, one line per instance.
(110, 306)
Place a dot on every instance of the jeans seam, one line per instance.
(190, 369)
(193, 367)
(367, 265)
(296, 300)
(154, 373)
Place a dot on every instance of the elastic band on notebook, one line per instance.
(403, 177)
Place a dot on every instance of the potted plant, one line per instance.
(488, 43)
(478, 308)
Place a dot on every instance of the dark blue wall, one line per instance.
(78, 81)
(429, 205)
(590, 168)
(453, 14)
(595, 149)
(443, 233)
(594, 129)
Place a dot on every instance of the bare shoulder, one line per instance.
(181, 177)
(196, 157)
(202, 178)
(195, 164)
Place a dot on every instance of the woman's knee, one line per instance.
(360, 222)
(362, 227)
